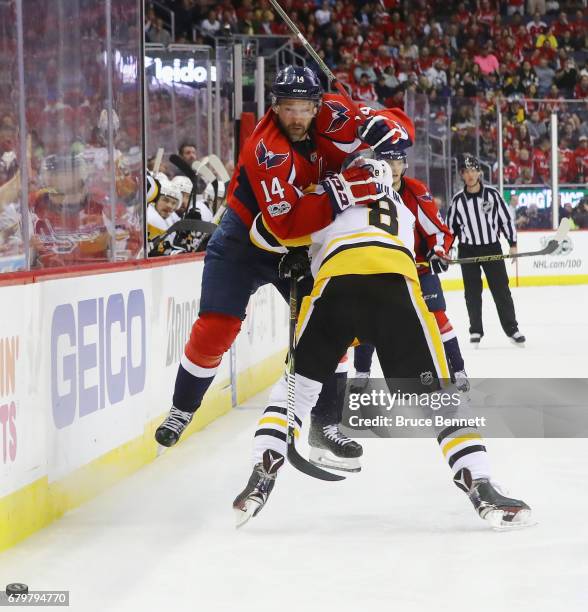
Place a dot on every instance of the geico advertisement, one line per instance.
(96, 356)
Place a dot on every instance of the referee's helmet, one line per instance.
(467, 161)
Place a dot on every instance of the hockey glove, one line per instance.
(380, 171)
(437, 258)
(385, 136)
(295, 263)
(351, 187)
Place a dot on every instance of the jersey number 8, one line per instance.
(385, 216)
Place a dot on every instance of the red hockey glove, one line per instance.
(352, 187)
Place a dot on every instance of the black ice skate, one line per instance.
(332, 449)
(169, 432)
(500, 511)
(518, 339)
(261, 482)
(475, 340)
(359, 382)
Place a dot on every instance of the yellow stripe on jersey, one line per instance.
(455, 441)
(308, 304)
(263, 238)
(277, 421)
(432, 329)
(363, 259)
(374, 234)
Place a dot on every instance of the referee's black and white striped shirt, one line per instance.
(478, 218)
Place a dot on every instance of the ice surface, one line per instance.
(398, 536)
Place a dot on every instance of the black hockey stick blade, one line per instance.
(186, 225)
(304, 466)
(184, 166)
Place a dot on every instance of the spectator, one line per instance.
(365, 90)
(185, 14)
(515, 6)
(581, 159)
(188, 152)
(537, 26)
(581, 89)
(528, 75)
(548, 37)
(536, 7)
(487, 61)
(580, 214)
(323, 14)
(567, 77)
(366, 69)
(537, 128)
(211, 25)
(542, 162)
(158, 34)
(546, 75)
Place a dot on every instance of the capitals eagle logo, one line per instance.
(269, 158)
(339, 116)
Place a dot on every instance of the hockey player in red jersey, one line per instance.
(432, 241)
(301, 141)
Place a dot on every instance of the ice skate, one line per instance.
(261, 482)
(169, 432)
(518, 339)
(359, 382)
(475, 340)
(331, 449)
(502, 513)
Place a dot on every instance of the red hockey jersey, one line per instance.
(430, 229)
(273, 173)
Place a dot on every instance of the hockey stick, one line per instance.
(185, 225)
(217, 165)
(320, 63)
(293, 455)
(192, 171)
(157, 161)
(548, 249)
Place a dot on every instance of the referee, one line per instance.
(476, 216)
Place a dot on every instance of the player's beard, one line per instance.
(297, 131)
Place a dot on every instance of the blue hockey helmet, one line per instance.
(297, 82)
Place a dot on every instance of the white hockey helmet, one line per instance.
(170, 190)
(183, 183)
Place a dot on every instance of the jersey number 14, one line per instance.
(277, 190)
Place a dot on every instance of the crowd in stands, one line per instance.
(526, 57)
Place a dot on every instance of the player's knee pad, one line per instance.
(444, 324)
(211, 336)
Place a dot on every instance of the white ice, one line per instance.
(398, 536)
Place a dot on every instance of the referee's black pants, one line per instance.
(497, 278)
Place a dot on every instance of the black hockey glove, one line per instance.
(295, 263)
(437, 260)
